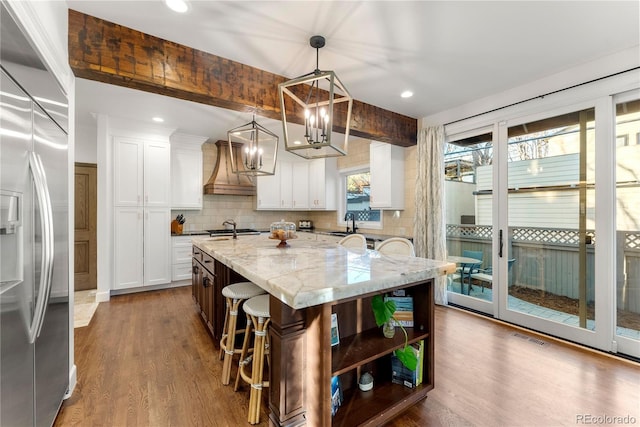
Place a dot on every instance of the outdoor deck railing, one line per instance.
(547, 259)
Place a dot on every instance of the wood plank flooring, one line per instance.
(146, 360)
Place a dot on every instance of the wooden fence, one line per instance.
(547, 259)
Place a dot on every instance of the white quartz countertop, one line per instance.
(309, 273)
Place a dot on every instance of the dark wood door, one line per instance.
(85, 252)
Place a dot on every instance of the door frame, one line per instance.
(601, 96)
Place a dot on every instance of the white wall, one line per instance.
(459, 200)
(86, 144)
(618, 62)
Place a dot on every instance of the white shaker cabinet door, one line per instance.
(157, 246)
(387, 176)
(128, 172)
(186, 179)
(286, 185)
(128, 247)
(323, 177)
(269, 191)
(157, 174)
(300, 185)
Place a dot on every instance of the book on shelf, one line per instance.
(420, 367)
(336, 395)
(404, 310)
(400, 374)
(335, 336)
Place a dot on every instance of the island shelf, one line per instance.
(363, 348)
(357, 350)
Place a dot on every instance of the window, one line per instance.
(622, 140)
(355, 196)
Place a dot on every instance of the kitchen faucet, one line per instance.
(352, 216)
(231, 222)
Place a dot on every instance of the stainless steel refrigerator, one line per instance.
(34, 236)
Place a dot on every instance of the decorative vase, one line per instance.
(389, 329)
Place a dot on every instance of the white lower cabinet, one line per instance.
(142, 247)
(181, 254)
(129, 249)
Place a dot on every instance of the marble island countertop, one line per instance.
(309, 273)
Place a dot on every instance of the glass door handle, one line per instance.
(500, 243)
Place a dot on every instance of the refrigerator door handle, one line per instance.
(46, 223)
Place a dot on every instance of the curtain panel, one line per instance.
(429, 228)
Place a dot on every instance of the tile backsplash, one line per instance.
(217, 208)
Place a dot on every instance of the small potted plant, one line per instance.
(383, 312)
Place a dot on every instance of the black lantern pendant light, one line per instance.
(253, 149)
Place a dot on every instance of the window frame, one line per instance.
(342, 203)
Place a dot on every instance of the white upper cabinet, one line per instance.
(157, 174)
(142, 172)
(286, 185)
(186, 171)
(268, 191)
(387, 176)
(299, 185)
(128, 172)
(323, 177)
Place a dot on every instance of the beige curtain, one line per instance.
(429, 227)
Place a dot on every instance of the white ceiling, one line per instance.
(447, 53)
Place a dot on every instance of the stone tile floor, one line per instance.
(84, 307)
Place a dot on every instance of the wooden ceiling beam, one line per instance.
(110, 53)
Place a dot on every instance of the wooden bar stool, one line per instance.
(235, 294)
(258, 319)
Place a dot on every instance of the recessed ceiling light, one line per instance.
(406, 94)
(158, 119)
(180, 6)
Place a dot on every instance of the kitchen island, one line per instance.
(307, 282)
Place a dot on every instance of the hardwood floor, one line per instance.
(146, 360)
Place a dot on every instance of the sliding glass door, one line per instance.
(627, 220)
(550, 234)
(469, 160)
(543, 219)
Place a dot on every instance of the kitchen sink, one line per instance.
(227, 232)
(338, 233)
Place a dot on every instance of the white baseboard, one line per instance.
(169, 285)
(73, 378)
